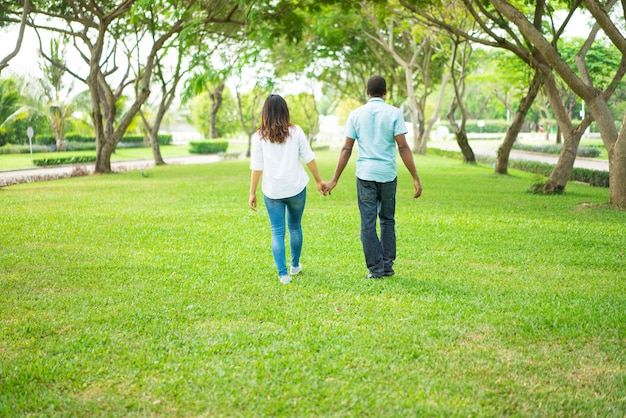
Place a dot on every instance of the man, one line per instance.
(377, 127)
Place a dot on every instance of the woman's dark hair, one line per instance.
(275, 120)
(376, 86)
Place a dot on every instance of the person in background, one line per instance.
(378, 127)
(277, 148)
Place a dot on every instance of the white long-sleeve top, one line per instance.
(283, 173)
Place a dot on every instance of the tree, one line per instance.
(459, 62)
(58, 109)
(304, 112)
(250, 106)
(98, 30)
(9, 104)
(412, 48)
(20, 37)
(491, 35)
(583, 85)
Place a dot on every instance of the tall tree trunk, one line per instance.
(413, 112)
(461, 136)
(57, 127)
(571, 137)
(154, 143)
(216, 100)
(617, 169)
(428, 126)
(103, 156)
(504, 151)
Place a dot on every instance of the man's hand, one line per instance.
(418, 188)
(329, 186)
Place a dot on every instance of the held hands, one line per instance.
(329, 187)
(321, 187)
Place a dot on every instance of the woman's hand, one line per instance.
(321, 186)
(252, 202)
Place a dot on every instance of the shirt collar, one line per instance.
(376, 99)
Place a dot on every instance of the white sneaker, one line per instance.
(295, 270)
(285, 279)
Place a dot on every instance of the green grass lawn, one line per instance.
(124, 295)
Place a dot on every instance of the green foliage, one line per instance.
(596, 178)
(43, 162)
(22, 149)
(156, 296)
(135, 140)
(227, 121)
(583, 151)
(208, 147)
(491, 126)
(303, 111)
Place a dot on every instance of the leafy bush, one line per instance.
(583, 151)
(490, 127)
(65, 160)
(207, 147)
(22, 149)
(164, 139)
(596, 178)
(80, 146)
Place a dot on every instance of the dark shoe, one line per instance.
(371, 276)
(389, 273)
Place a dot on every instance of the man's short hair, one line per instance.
(376, 86)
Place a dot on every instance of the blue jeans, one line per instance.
(276, 208)
(377, 201)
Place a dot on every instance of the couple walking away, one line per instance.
(277, 148)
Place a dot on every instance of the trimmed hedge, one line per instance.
(491, 126)
(207, 147)
(583, 151)
(164, 139)
(43, 162)
(22, 149)
(596, 178)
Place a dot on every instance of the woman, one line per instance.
(277, 147)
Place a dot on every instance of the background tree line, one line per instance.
(454, 61)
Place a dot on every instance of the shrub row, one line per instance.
(596, 178)
(489, 127)
(583, 151)
(65, 160)
(80, 145)
(164, 139)
(207, 147)
(22, 149)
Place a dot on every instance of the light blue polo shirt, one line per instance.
(374, 126)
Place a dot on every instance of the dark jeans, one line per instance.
(378, 201)
(276, 209)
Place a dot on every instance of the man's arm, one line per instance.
(407, 159)
(344, 157)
